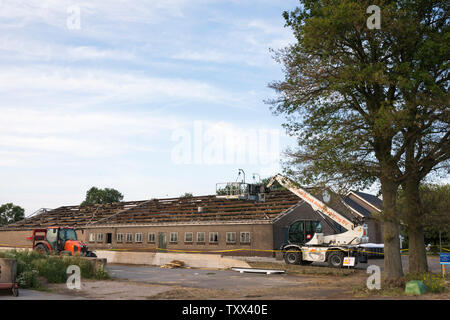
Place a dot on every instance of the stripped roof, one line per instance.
(185, 210)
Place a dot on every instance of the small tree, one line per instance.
(100, 196)
(187, 195)
(10, 213)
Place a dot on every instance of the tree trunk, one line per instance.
(414, 219)
(391, 231)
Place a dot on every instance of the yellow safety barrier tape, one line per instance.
(240, 249)
(225, 250)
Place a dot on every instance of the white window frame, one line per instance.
(129, 237)
(212, 234)
(245, 240)
(173, 237)
(91, 237)
(185, 236)
(198, 236)
(138, 237)
(99, 237)
(231, 235)
(153, 235)
(119, 237)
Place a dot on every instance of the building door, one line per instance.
(109, 238)
(162, 241)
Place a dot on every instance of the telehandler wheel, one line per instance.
(41, 248)
(336, 259)
(292, 257)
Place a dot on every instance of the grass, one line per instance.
(433, 281)
(33, 268)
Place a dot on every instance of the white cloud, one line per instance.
(89, 86)
(80, 134)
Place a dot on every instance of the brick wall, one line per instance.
(15, 238)
(260, 238)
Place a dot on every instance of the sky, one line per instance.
(153, 98)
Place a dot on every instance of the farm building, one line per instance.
(200, 223)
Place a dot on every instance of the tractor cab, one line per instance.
(57, 237)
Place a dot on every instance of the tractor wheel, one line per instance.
(41, 248)
(91, 254)
(292, 257)
(336, 259)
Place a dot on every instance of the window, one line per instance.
(99, 237)
(200, 237)
(213, 237)
(109, 238)
(138, 237)
(231, 237)
(129, 237)
(245, 237)
(174, 237)
(91, 237)
(119, 237)
(67, 234)
(188, 237)
(151, 237)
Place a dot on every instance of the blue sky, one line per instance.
(153, 98)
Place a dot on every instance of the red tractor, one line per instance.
(59, 240)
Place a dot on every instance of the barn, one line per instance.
(205, 224)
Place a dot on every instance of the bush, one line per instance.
(86, 268)
(434, 282)
(31, 265)
(53, 269)
(29, 279)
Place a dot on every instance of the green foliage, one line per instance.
(101, 274)
(29, 279)
(435, 211)
(434, 282)
(31, 265)
(51, 268)
(358, 100)
(101, 196)
(187, 195)
(10, 213)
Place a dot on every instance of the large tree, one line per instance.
(10, 213)
(348, 98)
(100, 196)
